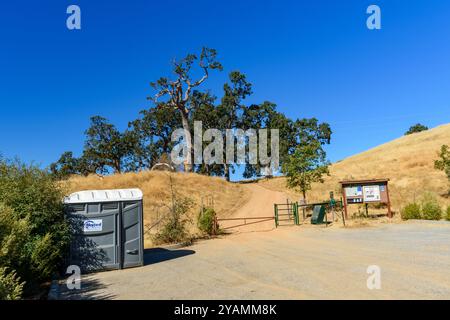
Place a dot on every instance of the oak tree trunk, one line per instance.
(187, 129)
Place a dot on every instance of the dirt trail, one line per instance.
(260, 204)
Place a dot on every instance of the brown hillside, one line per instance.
(408, 161)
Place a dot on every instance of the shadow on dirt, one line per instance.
(91, 289)
(156, 255)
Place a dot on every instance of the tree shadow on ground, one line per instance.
(91, 289)
(94, 289)
(156, 255)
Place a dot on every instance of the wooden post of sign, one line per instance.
(343, 217)
(389, 201)
(345, 202)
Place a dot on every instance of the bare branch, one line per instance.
(195, 84)
(160, 94)
(180, 90)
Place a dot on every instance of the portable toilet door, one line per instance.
(107, 229)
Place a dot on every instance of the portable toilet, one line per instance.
(107, 229)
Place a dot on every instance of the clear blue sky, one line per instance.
(312, 58)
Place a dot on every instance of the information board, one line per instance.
(366, 192)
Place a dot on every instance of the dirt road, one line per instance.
(260, 204)
(289, 263)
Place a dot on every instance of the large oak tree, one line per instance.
(178, 91)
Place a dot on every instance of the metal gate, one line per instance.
(240, 222)
(286, 213)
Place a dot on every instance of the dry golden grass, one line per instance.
(408, 162)
(155, 185)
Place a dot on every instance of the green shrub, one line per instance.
(416, 128)
(206, 221)
(34, 235)
(447, 214)
(411, 211)
(443, 163)
(174, 229)
(14, 235)
(10, 286)
(431, 210)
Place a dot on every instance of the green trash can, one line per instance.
(318, 214)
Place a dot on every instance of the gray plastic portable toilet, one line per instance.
(107, 229)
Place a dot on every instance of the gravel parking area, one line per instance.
(289, 263)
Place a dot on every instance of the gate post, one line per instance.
(275, 208)
(297, 222)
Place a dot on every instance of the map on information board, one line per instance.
(353, 191)
(372, 193)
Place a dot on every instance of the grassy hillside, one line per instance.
(155, 185)
(407, 161)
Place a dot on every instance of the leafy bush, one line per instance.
(411, 211)
(447, 214)
(431, 210)
(10, 286)
(33, 232)
(416, 128)
(174, 229)
(13, 238)
(206, 221)
(443, 163)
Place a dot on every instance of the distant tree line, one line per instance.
(177, 103)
